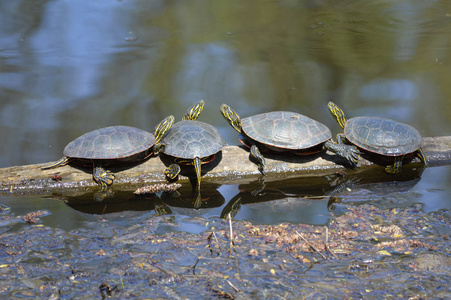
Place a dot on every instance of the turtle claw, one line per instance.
(352, 155)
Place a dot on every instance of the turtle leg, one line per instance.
(255, 153)
(421, 155)
(103, 177)
(396, 167)
(62, 162)
(172, 171)
(348, 152)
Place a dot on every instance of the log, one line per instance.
(231, 166)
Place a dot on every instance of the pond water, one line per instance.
(69, 67)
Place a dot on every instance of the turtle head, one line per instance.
(231, 116)
(163, 128)
(194, 111)
(337, 113)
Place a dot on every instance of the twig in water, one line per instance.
(217, 242)
(311, 246)
(209, 240)
(229, 216)
(194, 267)
(209, 243)
(327, 243)
(234, 287)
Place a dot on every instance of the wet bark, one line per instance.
(228, 167)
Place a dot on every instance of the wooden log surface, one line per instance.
(230, 167)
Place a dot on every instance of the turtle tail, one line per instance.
(62, 162)
(197, 163)
(197, 166)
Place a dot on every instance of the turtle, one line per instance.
(112, 145)
(381, 136)
(191, 142)
(284, 131)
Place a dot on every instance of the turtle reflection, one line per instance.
(292, 199)
(186, 201)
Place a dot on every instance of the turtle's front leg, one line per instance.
(255, 153)
(172, 171)
(396, 167)
(103, 177)
(348, 152)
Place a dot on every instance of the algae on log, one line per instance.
(228, 167)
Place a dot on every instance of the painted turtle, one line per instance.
(191, 142)
(282, 131)
(112, 145)
(379, 135)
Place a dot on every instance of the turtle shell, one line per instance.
(382, 136)
(286, 130)
(190, 139)
(112, 142)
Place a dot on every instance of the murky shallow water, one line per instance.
(295, 200)
(67, 68)
(371, 252)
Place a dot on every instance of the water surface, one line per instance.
(70, 67)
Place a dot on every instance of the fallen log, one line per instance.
(232, 166)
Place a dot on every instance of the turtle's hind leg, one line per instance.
(62, 162)
(172, 171)
(103, 177)
(421, 155)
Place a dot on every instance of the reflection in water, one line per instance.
(301, 195)
(112, 200)
(302, 199)
(184, 202)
